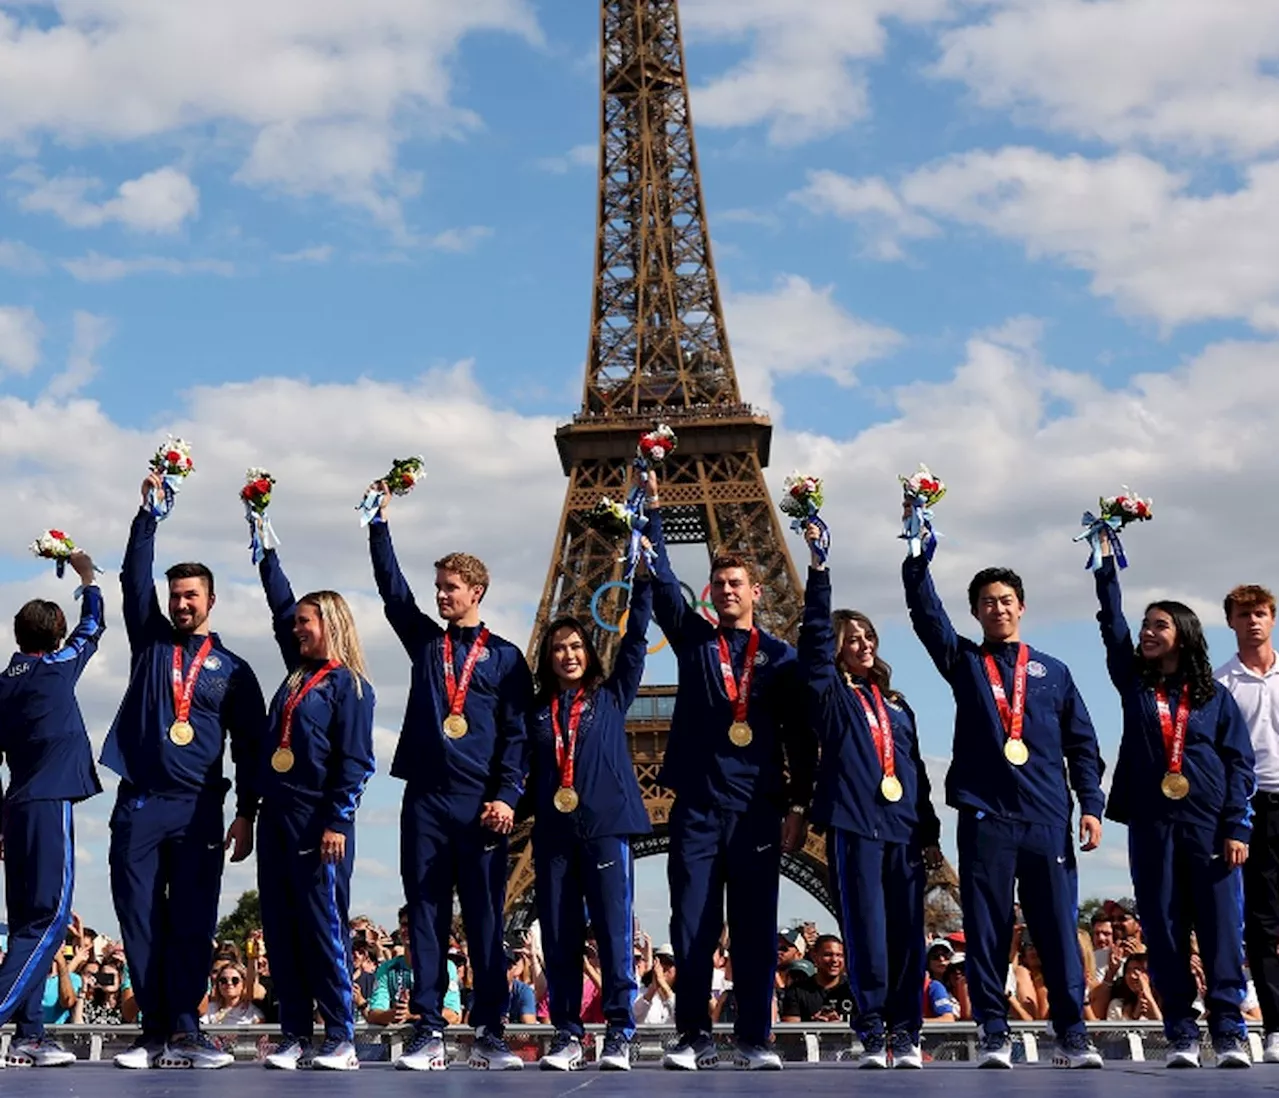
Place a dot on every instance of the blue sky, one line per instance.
(1029, 243)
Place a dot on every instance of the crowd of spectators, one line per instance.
(89, 981)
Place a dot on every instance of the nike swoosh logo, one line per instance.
(309, 850)
(214, 846)
(1062, 858)
(762, 849)
(491, 847)
(603, 865)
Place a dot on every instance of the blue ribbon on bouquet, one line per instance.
(917, 526)
(368, 507)
(1094, 528)
(262, 535)
(162, 505)
(639, 522)
(821, 547)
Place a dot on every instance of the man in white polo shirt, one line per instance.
(1253, 678)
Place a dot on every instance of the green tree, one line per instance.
(247, 916)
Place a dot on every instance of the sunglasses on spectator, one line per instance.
(232, 980)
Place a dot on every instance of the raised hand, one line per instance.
(153, 482)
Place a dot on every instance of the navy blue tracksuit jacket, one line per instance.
(44, 741)
(305, 901)
(167, 828)
(1180, 880)
(874, 846)
(726, 822)
(1015, 821)
(583, 859)
(447, 783)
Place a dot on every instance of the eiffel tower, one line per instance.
(658, 349)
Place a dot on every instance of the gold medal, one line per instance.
(455, 726)
(1175, 786)
(566, 799)
(1016, 751)
(890, 788)
(181, 733)
(740, 733)
(282, 760)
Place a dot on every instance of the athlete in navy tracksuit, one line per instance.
(727, 822)
(1015, 820)
(43, 739)
(582, 856)
(459, 796)
(313, 767)
(1184, 852)
(875, 846)
(167, 835)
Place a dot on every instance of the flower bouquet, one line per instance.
(54, 545)
(256, 497)
(1115, 513)
(400, 481)
(920, 492)
(655, 446)
(173, 462)
(611, 518)
(800, 502)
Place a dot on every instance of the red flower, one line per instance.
(407, 479)
(58, 534)
(929, 485)
(173, 457)
(262, 486)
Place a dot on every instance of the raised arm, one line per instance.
(83, 642)
(140, 606)
(1116, 637)
(414, 628)
(928, 616)
(511, 756)
(677, 619)
(351, 762)
(282, 604)
(628, 665)
(1080, 749)
(817, 647)
(1236, 751)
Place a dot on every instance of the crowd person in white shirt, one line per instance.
(656, 1005)
(1253, 678)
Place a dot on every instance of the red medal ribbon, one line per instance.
(1174, 729)
(565, 753)
(881, 729)
(292, 701)
(1010, 716)
(739, 692)
(456, 692)
(184, 688)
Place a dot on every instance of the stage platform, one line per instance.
(1116, 1080)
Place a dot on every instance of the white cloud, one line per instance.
(319, 92)
(801, 74)
(90, 334)
(20, 335)
(1144, 237)
(873, 204)
(464, 239)
(21, 258)
(157, 202)
(1184, 73)
(94, 267)
(316, 253)
(580, 156)
(797, 328)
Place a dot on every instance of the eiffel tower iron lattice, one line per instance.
(658, 349)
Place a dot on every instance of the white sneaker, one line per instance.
(41, 1052)
(756, 1057)
(1076, 1051)
(1271, 1049)
(691, 1052)
(565, 1054)
(139, 1056)
(335, 1054)
(905, 1050)
(995, 1050)
(489, 1052)
(1183, 1053)
(424, 1052)
(289, 1055)
(616, 1055)
(1232, 1052)
(194, 1050)
(875, 1054)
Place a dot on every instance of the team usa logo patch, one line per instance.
(1036, 669)
(212, 663)
(761, 659)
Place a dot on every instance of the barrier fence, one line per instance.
(797, 1042)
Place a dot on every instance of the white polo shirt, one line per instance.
(1258, 697)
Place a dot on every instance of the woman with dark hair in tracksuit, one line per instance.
(316, 761)
(587, 805)
(1183, 780)
(872, 800)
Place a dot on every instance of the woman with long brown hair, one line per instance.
(317, 758)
